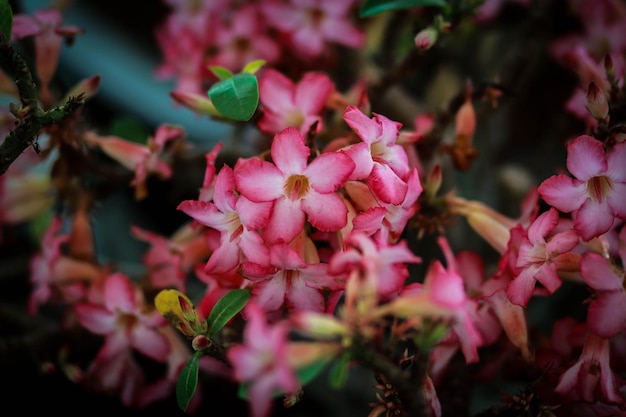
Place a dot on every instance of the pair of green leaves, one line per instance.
(224, 310)
(374, 7)
(236, 96)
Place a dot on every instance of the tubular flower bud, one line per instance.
(426, 38)
(178, 309)
(597, 103)
(488, 223)
(196, 102)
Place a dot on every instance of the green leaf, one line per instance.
(373, 7)
(6, 19)
(236, 97)
(308, 373)
(221, 72)
(339, 372)
(254, 66)
(130, 129)
(225, 309)
(188, 381)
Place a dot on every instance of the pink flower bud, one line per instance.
(196, 102)
(597, 102)
(201, 342)
(426, 38)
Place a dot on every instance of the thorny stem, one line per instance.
(408, 385)
(30, 118)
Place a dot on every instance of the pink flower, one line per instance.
(243, 38)
(385, 264)
(169, 260)
(310, 24)
(54, 275)
(289, 281)
(384, 221)
(143, 159)
(262, 362)
(606, 314)
(591, 377)
(45, 26)
(127, 324)
(237, 219)
(379, 160)
(596, 194)
(286, 103)
(296, 187)
(540, 255)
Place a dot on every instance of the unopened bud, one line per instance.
(196, 102)
(597, 102)
(201, 342)
(433, 182)
(609, 69)
(426, 38)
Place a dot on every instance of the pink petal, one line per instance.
(362, 158)
(253, 215)
(258, 180)
(276, 91)
(593, 219)
(96, 318)
(606, 314)
(521, 288)
(289, 152)
(598, 273)
(586, 158)
(205, 213)
(150, 342)
(364, 127)
(224, 258)
(270, 294)
(119, 293)
(543, 225)
(564, 193)
(312, 92)
(617, 199)
(283, 256)
(386, 185)
(326, 212)
(562, 242)
(224, 192)
(277, 228)
(329, 171)
(548, 277)
(302, 298)
(616, 168)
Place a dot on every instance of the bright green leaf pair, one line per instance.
(236, 95)
(224, 310)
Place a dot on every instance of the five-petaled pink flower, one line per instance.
(262, 361)
(596, 194)
(540, 255)
(288, 281)
(237, 219)
(312, 23)
(128, 325)
(296, 186)
(591, 378)
(379, 159)
(286, 103)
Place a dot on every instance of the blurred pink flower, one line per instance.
(262, 362)
(285, 103)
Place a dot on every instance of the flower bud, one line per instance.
(426, 38)
(201, 342)
(196, 102)
(597, 102)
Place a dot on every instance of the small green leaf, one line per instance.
(6, 19)
(221, 72)
(236, 97)
(373, 7)
(225, 309)
(130, 129)
(254, 66)
(308, 373)
(339, 372)
(188, 381)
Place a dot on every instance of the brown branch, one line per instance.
(30, 118)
